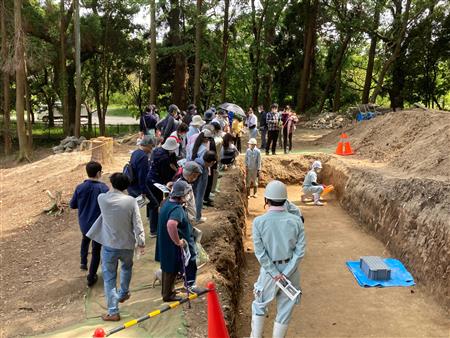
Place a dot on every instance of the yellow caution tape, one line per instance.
(154, 313)
(130, 323)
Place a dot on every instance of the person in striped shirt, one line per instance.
(273, 128)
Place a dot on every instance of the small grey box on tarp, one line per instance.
(375, 268)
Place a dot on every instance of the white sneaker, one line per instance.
(201, 220)
(318, 203)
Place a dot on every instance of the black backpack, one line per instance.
(128, 171)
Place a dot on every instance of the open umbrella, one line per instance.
(232, 107)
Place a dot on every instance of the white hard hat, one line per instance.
(316, 165)
(252, 141)
(276, 191)
(170, 144)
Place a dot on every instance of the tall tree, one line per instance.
(225, 38)
(255, 49)
(63, 70)
(152, 52)
(308, 53)
(175, 40)
(372, 51)
(198, 42)
(402, 25)
(334, 72)
(77, 68)
(19, 60)
(5, 83)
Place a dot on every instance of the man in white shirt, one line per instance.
(118, 229)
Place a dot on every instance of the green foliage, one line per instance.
(116, 62)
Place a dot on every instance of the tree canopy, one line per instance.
(314, 55)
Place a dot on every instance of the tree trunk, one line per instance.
(395, 52)
(76, 32)
(30, 114)
(24, 150)
(198, 40)
(180, 76)
(225, 37)
(152, 52)
(89, 115)
(310, 33)
(255, 51)
(5, 81)
(372, 50)
(398, 82)
(63, 71)
(49, 100)
(71, 98)
(337, 91)
(336, 66)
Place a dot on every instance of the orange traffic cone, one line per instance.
(216, 322)
(99, 333)
(344, 147)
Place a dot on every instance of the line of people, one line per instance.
(181, 153)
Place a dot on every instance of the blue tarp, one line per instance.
(399, 275)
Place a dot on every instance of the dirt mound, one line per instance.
(290, 169)
(414, 140)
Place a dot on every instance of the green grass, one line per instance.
(119, 110)
(43, 135)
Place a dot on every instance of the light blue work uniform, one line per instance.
(293, 209)
(279, 241)
(308, 187)
(253, 165)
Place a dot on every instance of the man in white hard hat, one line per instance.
(310, 185)
(253, 167)
(279, 241)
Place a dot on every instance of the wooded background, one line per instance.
(314, 55)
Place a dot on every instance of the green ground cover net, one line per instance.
(144, 299)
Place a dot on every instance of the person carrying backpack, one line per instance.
(138, 167)
(168, 125)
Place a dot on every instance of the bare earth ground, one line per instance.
(42, 288)
(41, 285)
(333, 304)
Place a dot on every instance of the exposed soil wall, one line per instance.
(223, 240)
(411, 216)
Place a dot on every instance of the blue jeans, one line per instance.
(110, 260)
(199, 188)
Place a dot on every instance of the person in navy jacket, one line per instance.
(85, 200)
(140, 166)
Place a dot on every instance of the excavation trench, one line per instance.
(368, 214)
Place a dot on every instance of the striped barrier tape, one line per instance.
(154, 313)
